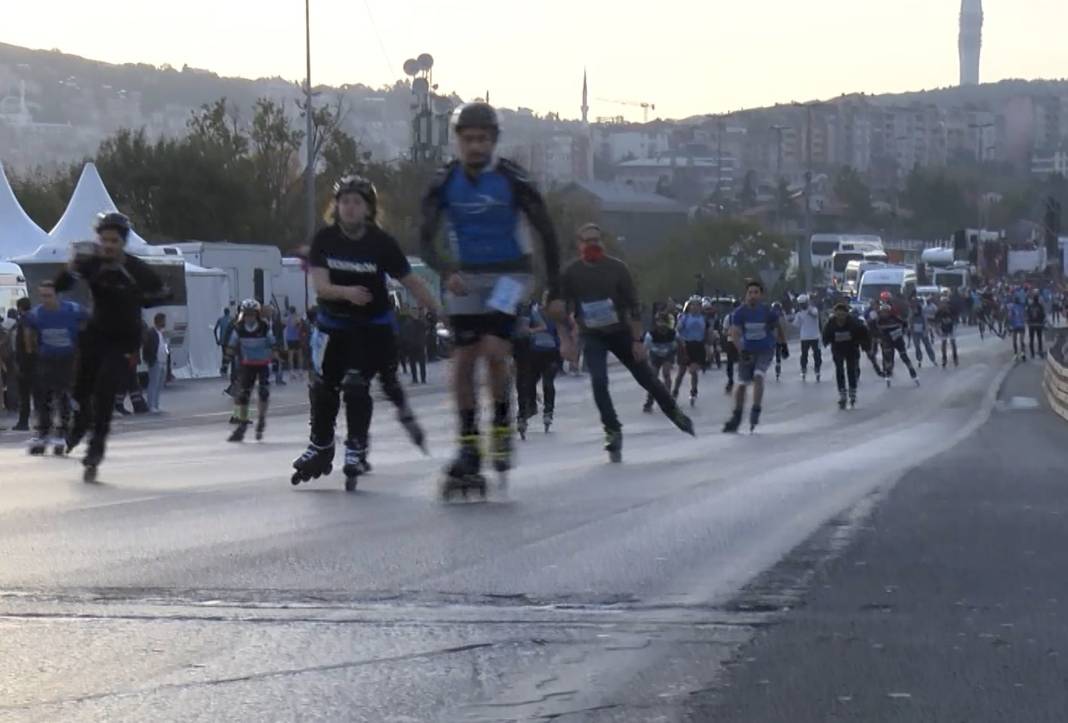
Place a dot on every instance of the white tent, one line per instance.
(208, 293)
(18, 233)
(90, 198)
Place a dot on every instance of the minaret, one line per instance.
(971, 40)
(585, 99)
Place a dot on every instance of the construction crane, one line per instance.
(644, 105)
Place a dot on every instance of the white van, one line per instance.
(12, 285)
(855, 270)
(824, 245)
(898, 280)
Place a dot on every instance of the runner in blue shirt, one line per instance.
(755, 329)
(56, 325)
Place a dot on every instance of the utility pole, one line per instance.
(806, 242)
(719, 159)
(309, 170)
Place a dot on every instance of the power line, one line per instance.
(381, 45)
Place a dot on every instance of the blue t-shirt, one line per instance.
(57, 331)
(692, 327)
(758, 325)
(548, 339)
(1017, 316)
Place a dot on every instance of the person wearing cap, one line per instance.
(891, 329)
(485, 201)
(121, 285)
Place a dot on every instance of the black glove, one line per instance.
(746, 357)
(785, 350)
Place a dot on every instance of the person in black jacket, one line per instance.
(1036, 323)
(846, 335)
(25, 361)
(121, 285)
(413, 340)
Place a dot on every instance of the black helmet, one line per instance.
(113, 220)
(353, 183)
(475, 115)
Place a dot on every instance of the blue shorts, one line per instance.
(752, 364)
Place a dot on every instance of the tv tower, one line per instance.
(971, 40)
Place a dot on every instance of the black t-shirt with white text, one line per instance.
(357, 262)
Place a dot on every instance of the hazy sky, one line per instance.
(687, 56)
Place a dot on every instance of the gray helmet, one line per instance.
(475, 115)
(113, 220)
(353, 183)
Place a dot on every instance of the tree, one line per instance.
(748, 196)
(726, 251)
(855, 194)
(274, 144)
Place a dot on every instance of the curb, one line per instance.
(1055, 376)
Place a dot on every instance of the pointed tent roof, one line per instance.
(90, 197)
(18, 233)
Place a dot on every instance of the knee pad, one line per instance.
(243, 396)
(264, 393)
(354, 386)
(319, 390)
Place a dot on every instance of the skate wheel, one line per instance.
(350, 483)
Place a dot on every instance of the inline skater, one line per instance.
(599, 290)
(892, 336)
(807, 321)
(1018, 324)
(945, 321)
(54, 326)
(918, 327)
(846, 335)
(661, 345)
(252, 347)
(756, 330)
(121, 285)
(544, 365)
(715, 334)
(487, 274)
(692, 331)
(355, 333)
(782, 349)
(1036, 324)
(521, 344)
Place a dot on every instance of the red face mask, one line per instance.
(592, 253)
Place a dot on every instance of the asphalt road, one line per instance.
(194, 583)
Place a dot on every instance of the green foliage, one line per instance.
(724, 251)
(851, 190)
(226, 180)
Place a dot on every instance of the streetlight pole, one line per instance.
(309, 170)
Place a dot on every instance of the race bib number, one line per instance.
(319, 340)
(756, 331)
(842, 337)
(507, 293)
(599, 314)
(895, 334)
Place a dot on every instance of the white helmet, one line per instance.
(802, 299)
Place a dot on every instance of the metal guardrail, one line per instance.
(1056, 375)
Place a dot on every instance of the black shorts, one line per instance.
(249, 375)
(469, 329)
(696, 352)
(370, 349)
